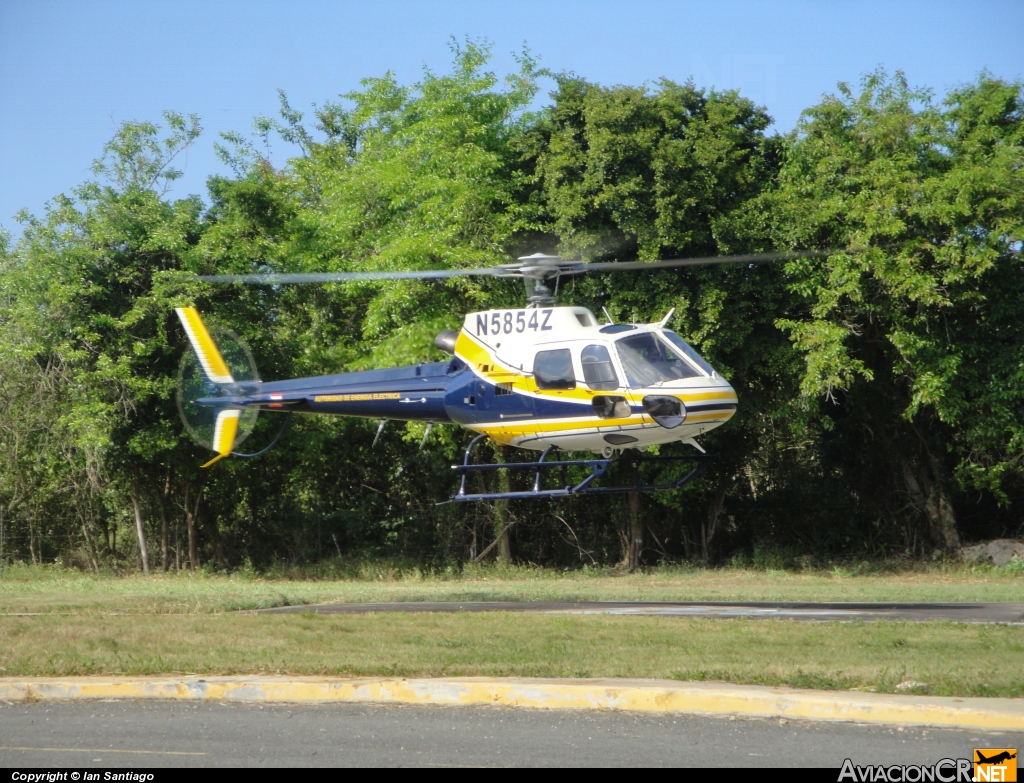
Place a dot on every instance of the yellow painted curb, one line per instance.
(637, 695)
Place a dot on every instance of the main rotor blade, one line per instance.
(750, 258)
(273, 278)
(508, 270)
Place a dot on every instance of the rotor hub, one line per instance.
(537, 271)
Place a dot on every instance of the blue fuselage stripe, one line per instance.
(413, 393)
(440, 391)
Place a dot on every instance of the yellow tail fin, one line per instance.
(210, 360)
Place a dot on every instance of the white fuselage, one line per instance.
(542, 373)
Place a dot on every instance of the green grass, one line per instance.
(36, 589)
(107, 624)
(958, 660)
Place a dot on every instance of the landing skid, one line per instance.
(598, 467)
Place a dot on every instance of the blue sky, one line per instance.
(71, 71)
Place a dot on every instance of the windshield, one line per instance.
(649, 361)
(684, 346)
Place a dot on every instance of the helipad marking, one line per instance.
(715, 611)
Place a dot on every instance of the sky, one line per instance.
(72, 71)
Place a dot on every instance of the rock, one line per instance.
(969, 554)
(910, 686)
(1003, 550)
(998, 552)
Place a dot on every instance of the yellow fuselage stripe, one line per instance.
(579, 426)
(478, 356)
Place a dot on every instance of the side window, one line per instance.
(598, 371)
(553, 370)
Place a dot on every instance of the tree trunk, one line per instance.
(707, 529)
(106, 534)
(945, 521)
(685, 533)
(191, 512)
(165, 544)
(177, 544)
(635, 544)
(929, 496)
(501, 512)
(218, 551)
(944, 524)
(165, 531)
(193, 545)
(143, 547)
(88, 547)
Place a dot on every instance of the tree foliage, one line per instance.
(880, 386)
(908, 327)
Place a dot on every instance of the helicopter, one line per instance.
(542, 378)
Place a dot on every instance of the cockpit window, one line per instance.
(598, 371)
(684, 346)
(649, 361)
(553, 370)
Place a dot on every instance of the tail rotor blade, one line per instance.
(218, 370)
(224, 433)
(202, 343)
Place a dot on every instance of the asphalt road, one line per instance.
(175, 734)
(960, 613)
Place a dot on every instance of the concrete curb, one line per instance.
(638, 695)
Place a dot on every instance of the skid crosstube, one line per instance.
(598, 467)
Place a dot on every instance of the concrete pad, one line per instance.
(1006, 613)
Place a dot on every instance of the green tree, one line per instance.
(87, 324)
(390, 177)
(626, 172)
(908, 335)
(876, 386)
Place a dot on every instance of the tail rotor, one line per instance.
(219, 367)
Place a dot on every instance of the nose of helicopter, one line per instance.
(723, 388)
(725, 400)
(706, 405)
